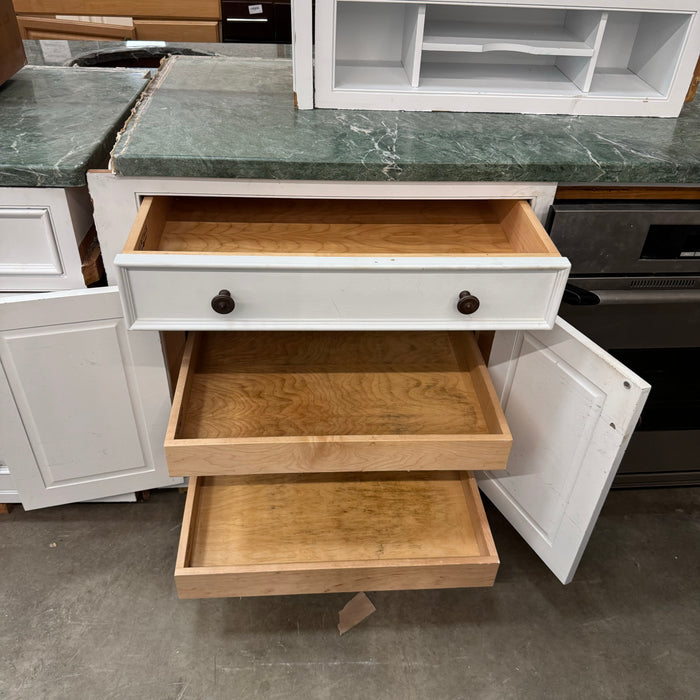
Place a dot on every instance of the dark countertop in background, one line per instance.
(57, 123)
(58, 52)
(235, 118)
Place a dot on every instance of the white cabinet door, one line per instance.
(571, 408)
(83, 402)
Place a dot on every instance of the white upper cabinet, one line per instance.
(571, 408)
(586, 57)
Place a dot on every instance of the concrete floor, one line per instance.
(97, 616)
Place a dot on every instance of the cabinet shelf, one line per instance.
(482, 37)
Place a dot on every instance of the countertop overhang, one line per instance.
(235, 118)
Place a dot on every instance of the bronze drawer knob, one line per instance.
(223, 302)
(467, 303)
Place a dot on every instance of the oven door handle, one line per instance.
(647, 296)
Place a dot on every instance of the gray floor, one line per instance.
(97, 616)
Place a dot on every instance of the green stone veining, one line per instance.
(56, 123)
(235, 118)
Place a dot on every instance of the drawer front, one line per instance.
(40, 235)
(355, 264)
(380, 296)
(266, 535)
(256, 403)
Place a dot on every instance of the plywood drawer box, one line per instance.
(270, 402)
(278, 535)
(339, 264)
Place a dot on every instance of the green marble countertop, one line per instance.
(57, 123)
(234, 118)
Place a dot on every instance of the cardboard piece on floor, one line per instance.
(357, 609)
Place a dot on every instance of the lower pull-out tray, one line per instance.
(334, 401)
(279, 535)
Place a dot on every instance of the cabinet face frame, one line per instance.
(321, 91)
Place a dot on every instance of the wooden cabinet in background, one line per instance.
(152, 20)
(176, 30)
(52, 28)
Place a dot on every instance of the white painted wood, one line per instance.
(659, 43)
(571, 408)
(8, 489)
(591, 27)
(414, 25)
(544, 40)
(293, 292)
(116, 200)
(119, 498)
(84, 403)
(355, 69)
(302, 53)
(40, 230)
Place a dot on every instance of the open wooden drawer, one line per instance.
(334, 401)
(277, 535)
(339, 264)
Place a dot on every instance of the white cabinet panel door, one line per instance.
(84, 402)
(571, 408)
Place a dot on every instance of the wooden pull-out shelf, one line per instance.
(271, 402)
(339, 264)
(279, 535)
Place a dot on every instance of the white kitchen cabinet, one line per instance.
(82, 399)
(535, 56)
(572, 409)
(40, 232)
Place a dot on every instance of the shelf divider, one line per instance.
(590, 26)
(414, 26)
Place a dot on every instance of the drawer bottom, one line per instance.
(319, 533)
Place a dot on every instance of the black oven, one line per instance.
(635, 290)
(256, 22)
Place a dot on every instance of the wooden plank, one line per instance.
(5, 508)
(472, 365)
(174, 30)
(148, 226)
(623, 192)
(12, 56)
(174, 9)
(484, 340)
(480, 523)
(332, 454)
(693, 87)
(51, 28)
(173, 343)
(188, 520)
(92, 266)
(524, 230)
(302, 534)
(307, 383)
(183, 386)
